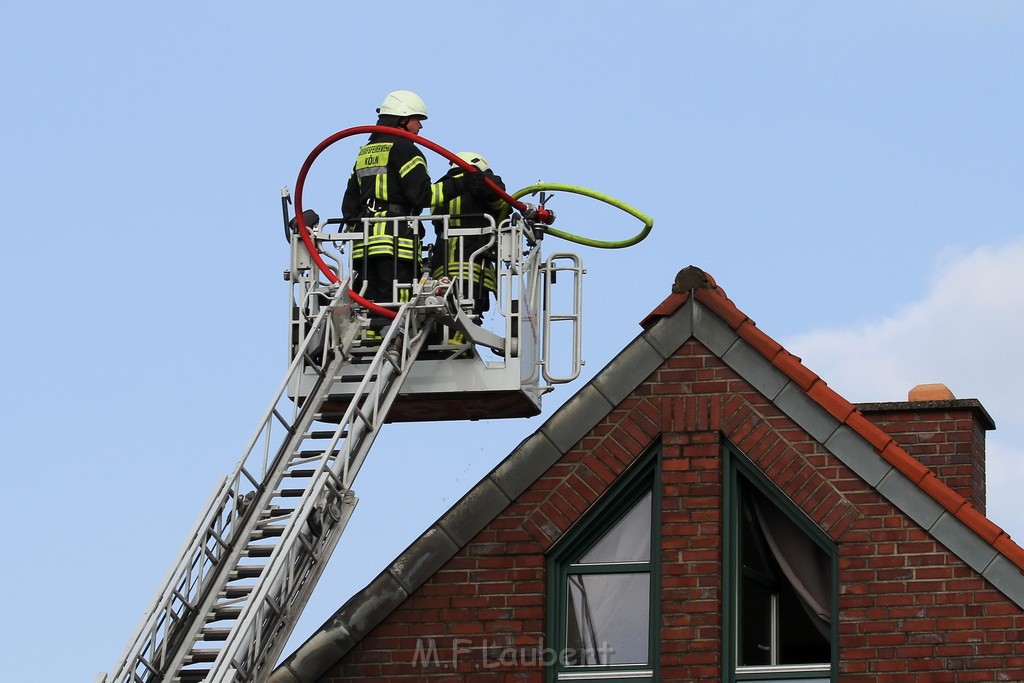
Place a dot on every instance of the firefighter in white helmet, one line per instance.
(390, 179)
(476, 278)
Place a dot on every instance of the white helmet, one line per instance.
(473, 158)
(403, 103)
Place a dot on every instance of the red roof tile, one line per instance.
(665, 308)
(795, 369)
(715, 299)
(751, 334)
(837, 406)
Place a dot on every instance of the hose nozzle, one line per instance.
(538, 213)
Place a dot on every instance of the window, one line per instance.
(780, 585)
(602, 584)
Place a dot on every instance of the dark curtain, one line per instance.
(806, 567)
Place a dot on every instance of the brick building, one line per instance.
(705, 509)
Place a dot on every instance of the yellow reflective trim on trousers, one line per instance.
(406, 249)
(404, 254)
(380, 242)
(490, 278)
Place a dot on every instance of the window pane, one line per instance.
(800, 640)
(628, 541)
(784, 615)
(755, 624)
(608, 619)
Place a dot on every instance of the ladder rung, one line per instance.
(232, 592)
(300, 474)
(225, 613)
(312, 443)
(259, 550)
(248, 571)
(205, 656)
(211, 634)
(316, 454)
(275, 513)
(267, 532)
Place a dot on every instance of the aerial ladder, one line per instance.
(249, 564)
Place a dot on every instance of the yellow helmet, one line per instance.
(403, 103)
(473, 158)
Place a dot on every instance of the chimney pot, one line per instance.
(930, 392)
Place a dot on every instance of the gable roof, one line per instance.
(696, 309)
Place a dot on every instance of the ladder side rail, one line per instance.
(226, 660)
(574, 318)
(188, 577)
(267, 648)
(296, 565)
(357, 456)
(302, 514)
(227, 560)
(392, 373)
(272, 416)
(154, 618)
(377, 376)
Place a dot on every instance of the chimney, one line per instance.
(945, 433)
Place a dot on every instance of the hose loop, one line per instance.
(537, 213)
(600, 196)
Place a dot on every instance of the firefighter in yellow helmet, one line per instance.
(475, 274)
(390, 178)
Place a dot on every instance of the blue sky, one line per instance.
(850, 173)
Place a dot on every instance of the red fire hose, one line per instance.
(531, 212)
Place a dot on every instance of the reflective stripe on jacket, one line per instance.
(390, 172)
(466, 211)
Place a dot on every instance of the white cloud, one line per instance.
(1005, 476)
(966, 333)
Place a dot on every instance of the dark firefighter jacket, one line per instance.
(390, 179)
(467, 211)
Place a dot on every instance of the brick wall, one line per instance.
(947, 436)
(909, 609)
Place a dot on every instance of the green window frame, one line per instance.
(780, 586)
(603, 585)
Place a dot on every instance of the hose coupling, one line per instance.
(538, 213)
